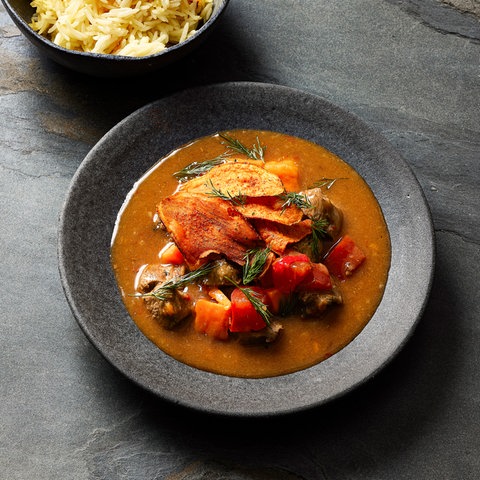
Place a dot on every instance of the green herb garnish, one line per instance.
(238, 199)
(293, 198)
(255, 261)
(258, 305)
(256, 152)
(319, 231)
(253, 298)
(326, 182)
(165, 291)
(196, 169)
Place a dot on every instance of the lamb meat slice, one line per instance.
(238, 179)
(205, 226)
(278, 237)
(272, 209)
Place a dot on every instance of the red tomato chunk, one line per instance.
(291, 270)
(244, 316)
(344, 258)
(320, 281)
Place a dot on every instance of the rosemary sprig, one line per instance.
(254, 264)
(258, 305)
(319, 226)
(319, 231)
(326, 182)
(238, 199)
(256, 152)
(165, 291)
(196, 169)
(293, 198)
(253, 298)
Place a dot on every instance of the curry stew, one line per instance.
(251, 254)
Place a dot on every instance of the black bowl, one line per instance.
(102, 65)
(124, 154)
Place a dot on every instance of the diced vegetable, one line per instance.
(212, 318)
(291, 270)
(171, 254)
(244, 316)
(287, 170)
(344, 258)
(275, 297)
(321, 279)
(295, 257)
(217, 295)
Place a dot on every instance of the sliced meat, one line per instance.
(278, 236)
(237, 179)
(203, 226)
(271, 209)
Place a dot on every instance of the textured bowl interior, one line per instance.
(128, 150)
(108, 65)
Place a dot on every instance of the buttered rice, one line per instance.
(135, 28)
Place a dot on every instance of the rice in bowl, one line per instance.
(134, 28)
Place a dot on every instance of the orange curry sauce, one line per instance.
(303, 342)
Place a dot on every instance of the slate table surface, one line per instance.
(409, 69)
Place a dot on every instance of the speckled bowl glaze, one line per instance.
(108, 65)
(108, 173)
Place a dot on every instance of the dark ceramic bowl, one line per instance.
(122, 156)
(108, 65)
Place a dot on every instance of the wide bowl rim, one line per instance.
(213, 402)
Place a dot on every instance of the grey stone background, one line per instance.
(410, 69)
(470, 6)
